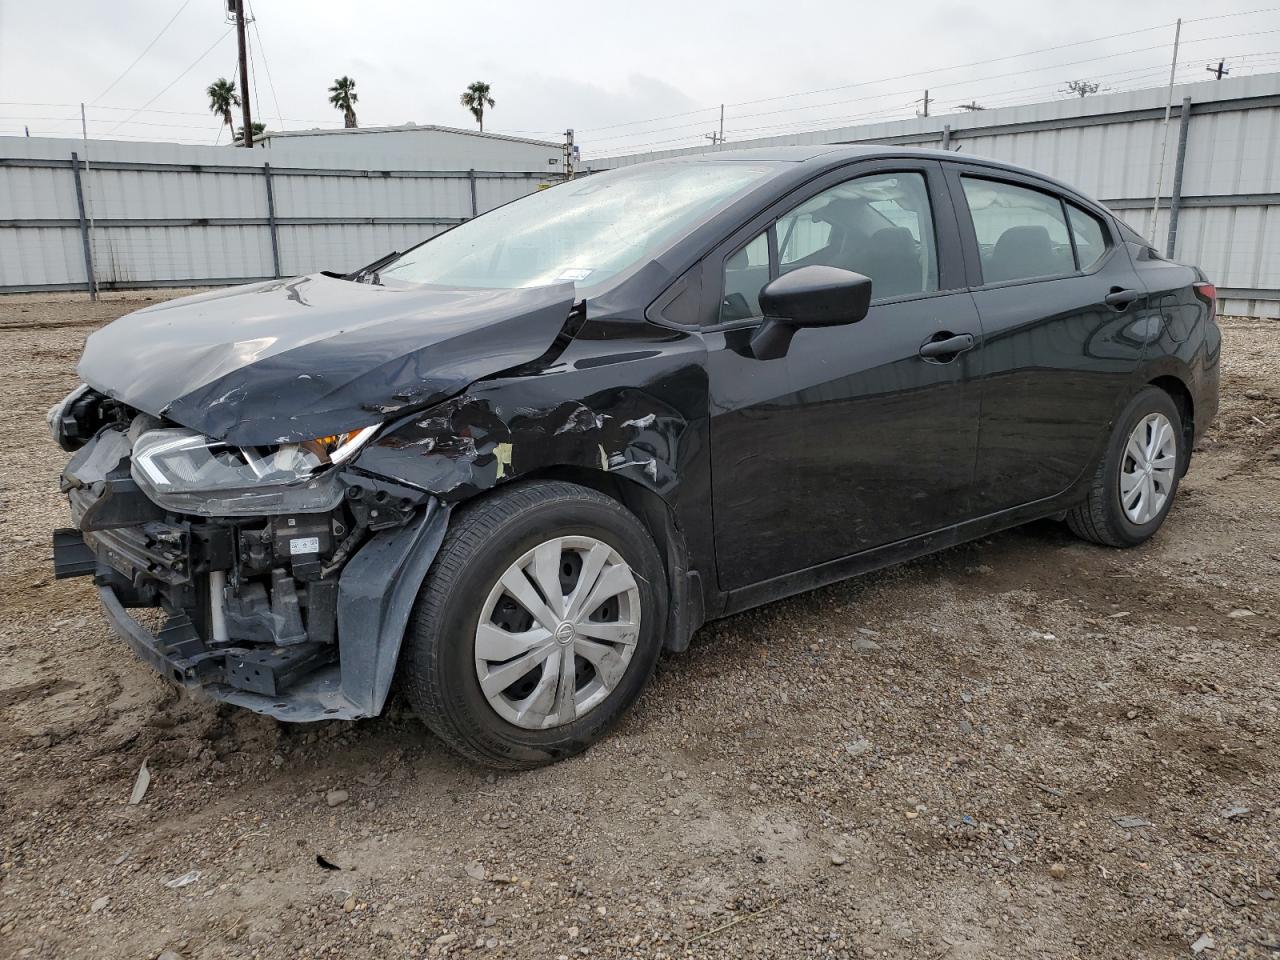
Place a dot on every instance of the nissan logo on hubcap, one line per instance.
(565, 632)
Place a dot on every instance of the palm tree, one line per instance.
(475, 98)
(258, 130)
(343, 96)
(222, 97)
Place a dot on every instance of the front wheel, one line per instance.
(538, 625)
(1133, 488)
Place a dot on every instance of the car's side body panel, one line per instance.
(1187, 345)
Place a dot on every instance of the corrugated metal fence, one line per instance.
(167, 215)
(164, 214)
(1219, 191)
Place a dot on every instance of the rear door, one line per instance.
(853, 439)
(1064, 326)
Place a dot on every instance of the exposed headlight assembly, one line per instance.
(186, 472)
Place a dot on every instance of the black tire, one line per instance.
(484, 539)
(1101, 517)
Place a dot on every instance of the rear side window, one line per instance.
(1089, 234)
(1022, 233)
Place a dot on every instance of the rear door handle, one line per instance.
(948, 347)
(1121, 298)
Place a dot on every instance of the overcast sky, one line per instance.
(595, 66)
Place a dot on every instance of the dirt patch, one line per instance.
(1023, 747)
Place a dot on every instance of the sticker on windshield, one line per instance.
(575, 274)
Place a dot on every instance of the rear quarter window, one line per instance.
(1089, 234)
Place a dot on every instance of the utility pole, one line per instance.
(1219, 70)
(570, 152)
(972, 106)
(1164, 140)
(926, 101)
(717, 137)
(88, 209)
(247, 133)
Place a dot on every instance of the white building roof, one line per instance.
(402, 128)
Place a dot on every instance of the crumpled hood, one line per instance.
(294, 359)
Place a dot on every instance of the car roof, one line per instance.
(824, 155)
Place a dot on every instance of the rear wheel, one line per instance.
(1135, 483)
(538, 625)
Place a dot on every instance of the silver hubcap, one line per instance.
(1147, 469)
(557, 632)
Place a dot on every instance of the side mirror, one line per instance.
(814, 296)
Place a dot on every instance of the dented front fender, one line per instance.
(499, 430)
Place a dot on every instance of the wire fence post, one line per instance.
(271, 220)
(1175, 197)
(89, 278)
(475, 208)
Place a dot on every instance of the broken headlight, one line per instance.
(186, 472)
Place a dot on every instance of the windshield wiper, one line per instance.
(371, 269)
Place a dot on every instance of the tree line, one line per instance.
(477, 98)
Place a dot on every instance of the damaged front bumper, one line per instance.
(303, 637)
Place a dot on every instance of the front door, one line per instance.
(853, 439)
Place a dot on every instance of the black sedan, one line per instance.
(516, 462)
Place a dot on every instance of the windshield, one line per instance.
(585, 231)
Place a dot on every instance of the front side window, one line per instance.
(1022, 233)
(879, 225)
(587, 231)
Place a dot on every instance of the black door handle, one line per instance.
(1120, 299)
(948, 347)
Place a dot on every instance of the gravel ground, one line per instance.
(1023, 747)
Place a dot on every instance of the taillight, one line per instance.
(1209, 294)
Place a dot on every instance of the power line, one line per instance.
(895, 93)
(144, 52)
(263, 50)
(806, 125)
(901, 76)
(922, 73)
(253, 76)
(935, 86)
(132, 123)
(222, 122)
(325, 123)
(700, 125)
(172, 82)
